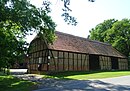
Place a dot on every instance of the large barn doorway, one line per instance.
(114, 63)
(94, 62)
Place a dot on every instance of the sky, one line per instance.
(88, 14)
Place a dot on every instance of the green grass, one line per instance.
(88, 75)
(10, 83)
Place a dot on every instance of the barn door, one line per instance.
(94, 62)
(114, 63)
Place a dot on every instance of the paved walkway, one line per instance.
(82, 85)
(18, 71)
(123, 80)
(108, 84)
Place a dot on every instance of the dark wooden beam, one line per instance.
(73, 60)
(53, 58)
(68, 61)
(77, 61)
(63, 61)
(81, 61)
(58, 60)
(48, 61)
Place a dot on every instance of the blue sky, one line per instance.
(88, 14)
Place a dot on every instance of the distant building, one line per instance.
(72, 53)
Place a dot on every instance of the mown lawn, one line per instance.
(10, 83)
(88, 75)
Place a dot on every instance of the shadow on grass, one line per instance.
(9, 83)
(64, 75)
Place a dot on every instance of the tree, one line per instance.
(119, 36)
(11, 48)
(26, 16)
(114, 32)
(17, 19)
(99, 32)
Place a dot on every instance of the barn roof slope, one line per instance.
(67, 42)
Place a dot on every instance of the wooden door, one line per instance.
(114, 63)
(94, 62)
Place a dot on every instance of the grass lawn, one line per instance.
(10, 83)
(88, 75)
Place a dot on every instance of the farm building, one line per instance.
(72, 53)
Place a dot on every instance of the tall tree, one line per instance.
(99, 32)
(11, 48)
(17, 19)
(116, 33)
(26, 16)
(119, 36)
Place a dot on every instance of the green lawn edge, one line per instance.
(10, 83)
(83, 75)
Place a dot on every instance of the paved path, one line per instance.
(108, 84)
(18, 71)
(83, 85)
(124, 80)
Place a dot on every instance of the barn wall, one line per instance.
(68, 61)
(105, 63)
(123, 64)
(37, 45)
(36, 59)
(37, 56)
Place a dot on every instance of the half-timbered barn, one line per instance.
(72, 53)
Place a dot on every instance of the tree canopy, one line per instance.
(26, 16)
(114, 32)
(11, 48)
(17, 19)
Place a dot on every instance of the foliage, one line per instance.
(26, 16)
(9, 83)
(12, 48)
(17, 19)
(114, 32)
(99, 32)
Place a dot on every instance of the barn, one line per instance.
(72, 53)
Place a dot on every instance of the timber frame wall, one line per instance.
(42, 59)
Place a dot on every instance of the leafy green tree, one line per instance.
(119, 36)
(11, 48)
(99, 32)
(26, 16)
(114, 32)
(17, 19)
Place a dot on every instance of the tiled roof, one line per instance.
(67, 42)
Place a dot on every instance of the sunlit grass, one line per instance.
(88, 75)
(10, 83)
